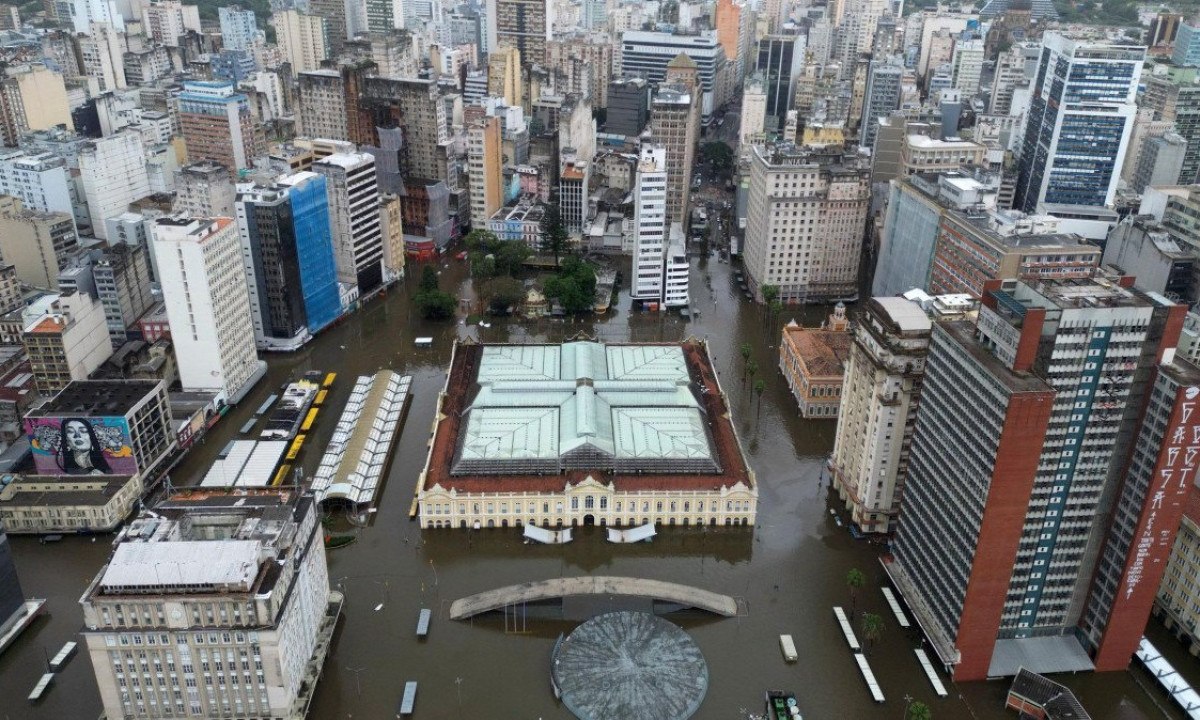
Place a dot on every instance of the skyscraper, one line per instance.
(779, 60)
(238, 27)
(303, 38)
(806, 214)
(288, 255)
(1079, 123)
(113, 171)
(523, 24)
(880, 393)
(1071, 390)
(675, 124)
(199, 263)
(217, 125)
(353, 191)
(882, 97)
(650, 224)
(485, 166)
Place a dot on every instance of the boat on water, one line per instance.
(782, 705)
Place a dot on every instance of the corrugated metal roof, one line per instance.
(190, 563)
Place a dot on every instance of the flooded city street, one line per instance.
(787, 572)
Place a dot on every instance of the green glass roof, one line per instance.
(626, 407)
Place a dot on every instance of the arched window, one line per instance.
(589, 503)
(604, 503)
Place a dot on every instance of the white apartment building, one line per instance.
(302, 38)
(967, 66)
(113, 174)
(39, 180)
(754, 113)
(676, 269)
(879, 409)
(86, 12)
(806, 215)
(198, 261)
(102, 52)
(353, 189)
(166, 20)
(213, 608)
(650, 224)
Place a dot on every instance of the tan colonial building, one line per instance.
(813, 360)
(584, 434)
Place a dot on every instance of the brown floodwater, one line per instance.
(787, 572)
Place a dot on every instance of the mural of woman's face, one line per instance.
(77, 436)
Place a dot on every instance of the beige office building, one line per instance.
(302, 39)
(32, 97)
(35, 243)
(485, 167)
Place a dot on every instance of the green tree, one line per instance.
(482, 266)
(554, 232)
(855, 580)
(769, 293)
(435, 304)
(719, 158)
(872, 628)
(751, 369)
(760, 386)
(510, 256)
(432, 302)
(745, 350)
(918, 710)
(482, 240)
(501, 294)
(429, 278)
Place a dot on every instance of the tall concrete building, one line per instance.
(85, 12)
(166, 21)
(674, 125)
(628, 107)
(321, 103)
(506, 77)
(966, 66)
(882, 97)
(122, 277)
(523, 24)
(806, 215)
(204, 189)
(334, 14)
(113, 174)
(40, 181)
(754, 113)
(1079, 123)
(651, 225)
(288, 255)
(303, 38)
(1033, 534)
(36, 243)
(485, 167)
(880, 392)
(102, 56)
(353, 190)
(239, 28)
(217, 124)
(226, 598)
(32, 97)
(198, 261)
(1160, 161)
(778, 60)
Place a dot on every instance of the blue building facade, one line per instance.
(1187, 46)
(1080, 120)
(289, 260)
(314, 250)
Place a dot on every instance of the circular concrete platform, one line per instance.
(630, 665)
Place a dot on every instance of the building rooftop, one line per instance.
(906, 314)
(96, 398)
(824, 352)
(207, 541)
(528, 417)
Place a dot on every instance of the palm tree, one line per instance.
(918, 711)
(751, 368)
(872, 626)
(745, 349)
(855, 580)
(773, 309)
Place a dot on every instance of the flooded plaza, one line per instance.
(787, 572)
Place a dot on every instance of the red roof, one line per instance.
(463, 372)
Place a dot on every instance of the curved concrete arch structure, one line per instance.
(592, 585)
